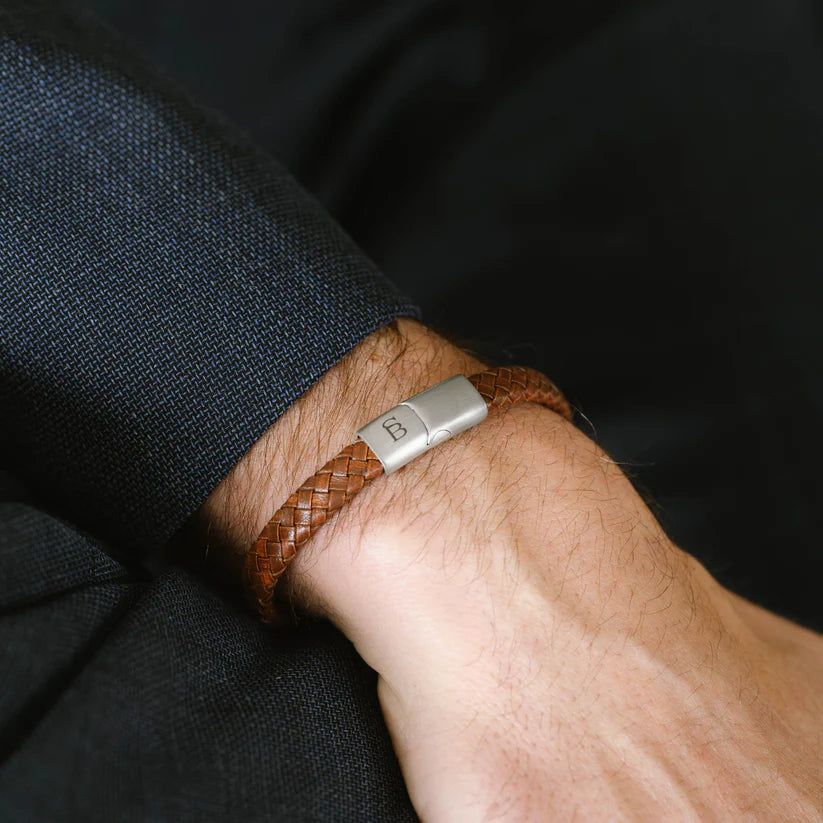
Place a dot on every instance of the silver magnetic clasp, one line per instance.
(431, 417)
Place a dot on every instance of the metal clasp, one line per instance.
(421, 422)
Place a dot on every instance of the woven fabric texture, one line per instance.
(166, 291)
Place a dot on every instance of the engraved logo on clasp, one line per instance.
(395, 429)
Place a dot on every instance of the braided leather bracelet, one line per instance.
(383, 446)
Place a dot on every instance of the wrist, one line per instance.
(393, 363)
(509, 502)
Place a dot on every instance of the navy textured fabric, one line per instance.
(166, 294)
(166, 291)
(133, 700)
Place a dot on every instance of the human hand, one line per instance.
(543, 650)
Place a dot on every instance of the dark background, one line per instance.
(626, 195)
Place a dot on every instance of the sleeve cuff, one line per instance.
(167, 292)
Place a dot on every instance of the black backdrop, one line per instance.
(641, 181)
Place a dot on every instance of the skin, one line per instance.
(544, 651)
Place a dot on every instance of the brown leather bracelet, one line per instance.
(419, 422)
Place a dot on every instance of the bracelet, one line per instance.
(384, 445)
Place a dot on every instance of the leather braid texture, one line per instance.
(503, 387)
(332, 486)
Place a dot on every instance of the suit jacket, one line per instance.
(167, 291)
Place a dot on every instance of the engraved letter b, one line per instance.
(394, 428)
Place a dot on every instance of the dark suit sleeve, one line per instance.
(167, 290)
